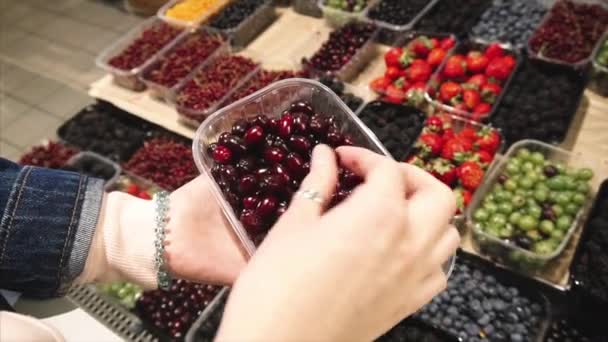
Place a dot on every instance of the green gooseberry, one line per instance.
(584, 173)
(541, 195)
(527, 222)
(523, 153)
(518, 201)
(515, 217)
(510, 185)
(546, 227)
(537, 158)
(544, 247)
(558, 210)
(535, 211)
(505, 208)
(481, 215)
(563, 222)
(571, 209)
(579, 198)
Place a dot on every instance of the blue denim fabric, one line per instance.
(45, 234)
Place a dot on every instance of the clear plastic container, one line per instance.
(218, 303)
(463, 48)
(352, 68)
(219, 4)
(271, 101)
(130, 78)
(251, 26)
(92, 157)
(538, 55)
(307, 7)
(599, 73)
(166, 93)
(337, 17)
(508, 254)
(398, 28)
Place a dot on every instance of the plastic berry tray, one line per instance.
(130, 78)
(336, 17)
(352, 68)
(166, 93)
(162, 14)
(508, 254)
(307, 7)
(271, 101)
(200, 331)
(98, 159)
(251, 26)
(398, 28)
(599, 73)
(463, 48)
(538, 55)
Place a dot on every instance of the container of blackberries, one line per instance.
(599, 75)
(243, 20)
(485, 303)
(398, 15)
(524, 214)
(348, 93)
(207, 324)
(126, 58)
(395, 126)
(172, 67)
(344, 53)
(307, 7)
(337, 12)
(541, 102)
(473, 78)
(94, 165)
(589, 269)
(453, 16)
(577, 329)
(556, 42)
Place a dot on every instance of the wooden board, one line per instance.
(293, 36)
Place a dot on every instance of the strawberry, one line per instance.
(392, 58)
(421, 46)
(144, 195)
(132, 189)
(434, 124)
(455, 66)
(455, 149)
(420, 72)
(459, 105)
(415, 94)
(484, 157)
(468, 133)
(494, 50)
(498, 69)
(478, 81)
(481, 109)
(476, 62)
(510, 61)
(435, 42)
(392, 73)
(416, 160)
(407, 57)
(471, 98)
(447, 43)
(490, 91)
(463, 198)
(394, 94)
(444, 170)
(487, 139)
(470, 175)
(448, 134)
(449, 90)
(380, 84)
(430, 144)
(435, 57)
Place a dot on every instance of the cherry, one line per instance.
(245, 165)
(281, 209)
(300, 123)
(267, 206)
(211, 148)
(348, 140)
(240, 127)
(273, 125)
(300, 144)
(248, 184)
(254, 135)
(285, 125)
(280, 170)
(252, 222)
(334, 137)
(274, 155)
(349, 180)
(250, 202)
(222, 154)
(262, 171)
(301, 107)
(261, 120)
(272, 184)
(318, 125)
(295, 164)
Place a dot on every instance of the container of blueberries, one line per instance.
(527, 209)
(94, 165)
(396, 16)
(349, 11)
(243, 20)
(257, 151)
(112, 58)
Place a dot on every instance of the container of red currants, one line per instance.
(526, 211)
(128, 57)
(257, 151)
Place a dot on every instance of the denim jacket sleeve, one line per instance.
(48, 218)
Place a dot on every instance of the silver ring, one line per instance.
(310, 195)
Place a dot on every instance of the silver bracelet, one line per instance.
(161, 201)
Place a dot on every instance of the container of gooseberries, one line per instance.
(337, 17)
(525, 213)
(256, 118)
(599, 73)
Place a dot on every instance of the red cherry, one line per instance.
(274, 155)
(222, 154)
(267, 206)
(285, 125)
(250, 202)
(248, 184)
(254, 135)
(252, 221)
(301, 107)
(300, 144)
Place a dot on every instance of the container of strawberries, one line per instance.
(472, 79)
(409, 65)
(459, 152)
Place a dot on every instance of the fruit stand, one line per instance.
(512, 123)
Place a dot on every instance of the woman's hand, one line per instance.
(352, 272)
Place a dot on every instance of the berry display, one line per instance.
(340, 48)
(262, 79)
(540, 102)
(173, 311)
(396, 126)
(409, 68)
(456, 152)
(234, 13)
(590, 267)
(181, 60)
(397, 12)
(211, 84)
(352, 101)
(125, 293)
(347, 5)
(534, 202)
(163, 161)
(472, 79)
(92, 165)
(50, 154)
(477, 306)
(510, 21)
(261, 161)
(145, 46)
(452, 16)
(556, 38)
